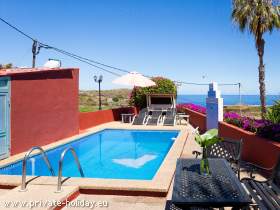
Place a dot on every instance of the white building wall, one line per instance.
(214, 106)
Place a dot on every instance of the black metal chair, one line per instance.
(170, 206)
(265, 194)
(228, 149)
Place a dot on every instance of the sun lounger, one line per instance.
(160, 106)
(140, 119)
(170, 117)
(154, 119)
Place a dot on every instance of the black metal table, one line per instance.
(219, 189)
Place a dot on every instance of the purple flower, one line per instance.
(231, 115)
(246, 124)
(276, 128)
(263, 128)
(271, 131)
(193, 107)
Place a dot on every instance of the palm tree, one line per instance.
(259, 17)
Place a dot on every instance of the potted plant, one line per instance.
(205, 140)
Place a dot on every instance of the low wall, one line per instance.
(90, 119)
(260, 151)
(196, 119)
(257, 150)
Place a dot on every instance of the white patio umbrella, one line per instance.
(134, 79)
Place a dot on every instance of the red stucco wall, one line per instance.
(196, 119)
(90, 119)
(44, 107)
(257, 150)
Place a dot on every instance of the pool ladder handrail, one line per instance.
(27, 154)
(59, 183)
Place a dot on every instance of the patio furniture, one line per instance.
(140, 119)
(162, 107)
(182, 116)
(219, 189)
(171, 206)
(154, 119)
(228, 149)
(127, 118)
(266, 194)
(170, 117)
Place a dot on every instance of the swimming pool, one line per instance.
(109, 153)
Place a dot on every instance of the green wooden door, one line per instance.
(4, 117)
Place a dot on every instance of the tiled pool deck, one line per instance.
(162, 182)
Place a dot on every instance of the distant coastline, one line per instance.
(252, 100)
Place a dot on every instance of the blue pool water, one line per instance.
(110, 153)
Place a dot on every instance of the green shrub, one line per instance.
(273, 113)
(115, 99)
(163, 86)
(120, 97)
(91, 101)
(6, 66)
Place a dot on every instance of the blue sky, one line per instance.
(179, 39)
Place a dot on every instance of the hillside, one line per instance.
(119, 97)
(110, 99)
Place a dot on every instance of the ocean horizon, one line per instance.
(228, 99)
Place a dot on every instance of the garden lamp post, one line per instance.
(99, 80)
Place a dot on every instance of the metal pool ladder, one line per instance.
(23, 181)
(58, 190)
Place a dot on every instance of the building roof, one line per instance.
(13, 71)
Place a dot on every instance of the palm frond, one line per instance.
(256, 16)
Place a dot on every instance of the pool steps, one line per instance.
(42, 151)
(71, 149)
(45, 157)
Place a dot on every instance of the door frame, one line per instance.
(7, 90)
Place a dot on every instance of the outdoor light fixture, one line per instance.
(99, 80)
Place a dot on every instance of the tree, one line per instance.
(259, 17)
(6, 66)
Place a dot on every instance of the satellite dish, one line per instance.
(53, 63)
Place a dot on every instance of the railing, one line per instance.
(23, 182)
(59, 183)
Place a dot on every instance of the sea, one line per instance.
(228, 99)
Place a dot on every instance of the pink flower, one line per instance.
(193, 107)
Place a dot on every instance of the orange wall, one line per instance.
(90, 119)
(196, 119)
(44, 107)
(257, 150)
